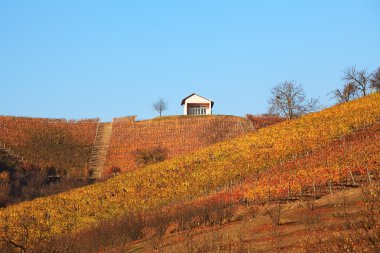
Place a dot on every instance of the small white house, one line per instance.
(197, 105)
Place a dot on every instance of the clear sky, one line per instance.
(83, 59)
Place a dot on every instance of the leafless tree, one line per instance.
(375, 80)
(359, 78)
(289, 100)
(345, 94)
(160, 106)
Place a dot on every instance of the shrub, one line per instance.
(150, 155)
(114, 171)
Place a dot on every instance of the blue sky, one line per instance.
(84, 59)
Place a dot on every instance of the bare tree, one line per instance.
(160, 106)
(375, 80)
(289, 100)
(345, 94)
(359, 78)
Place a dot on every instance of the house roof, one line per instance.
(183, 100)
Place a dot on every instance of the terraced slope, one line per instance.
(49, 142)
(190, 176)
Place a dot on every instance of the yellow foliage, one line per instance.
(198, 173)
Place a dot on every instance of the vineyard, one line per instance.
(67, 144)
(286, 159)
(346, 161)
(263, 121)
(50, 142)
(178, 135)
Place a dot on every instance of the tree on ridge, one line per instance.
(288, 99)
(160, 106)
(359, 78)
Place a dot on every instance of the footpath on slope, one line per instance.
(100, 150)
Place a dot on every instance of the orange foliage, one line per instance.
(178, 135)
(203, 171)
(341, 161)
(49, 142)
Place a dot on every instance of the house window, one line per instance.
(197, 110)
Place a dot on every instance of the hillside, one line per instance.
(54, 155)
(180, 179)
(68, 144)
(50, 142)
(273, 210)
(178, 135)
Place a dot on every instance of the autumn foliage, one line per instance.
(210, 169)
(263, 121)
(345, 161)
(50, 142)
(178, 135)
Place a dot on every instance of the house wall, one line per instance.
(195, 99)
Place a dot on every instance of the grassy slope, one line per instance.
(203, 171)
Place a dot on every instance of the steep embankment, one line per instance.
(190, 176)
